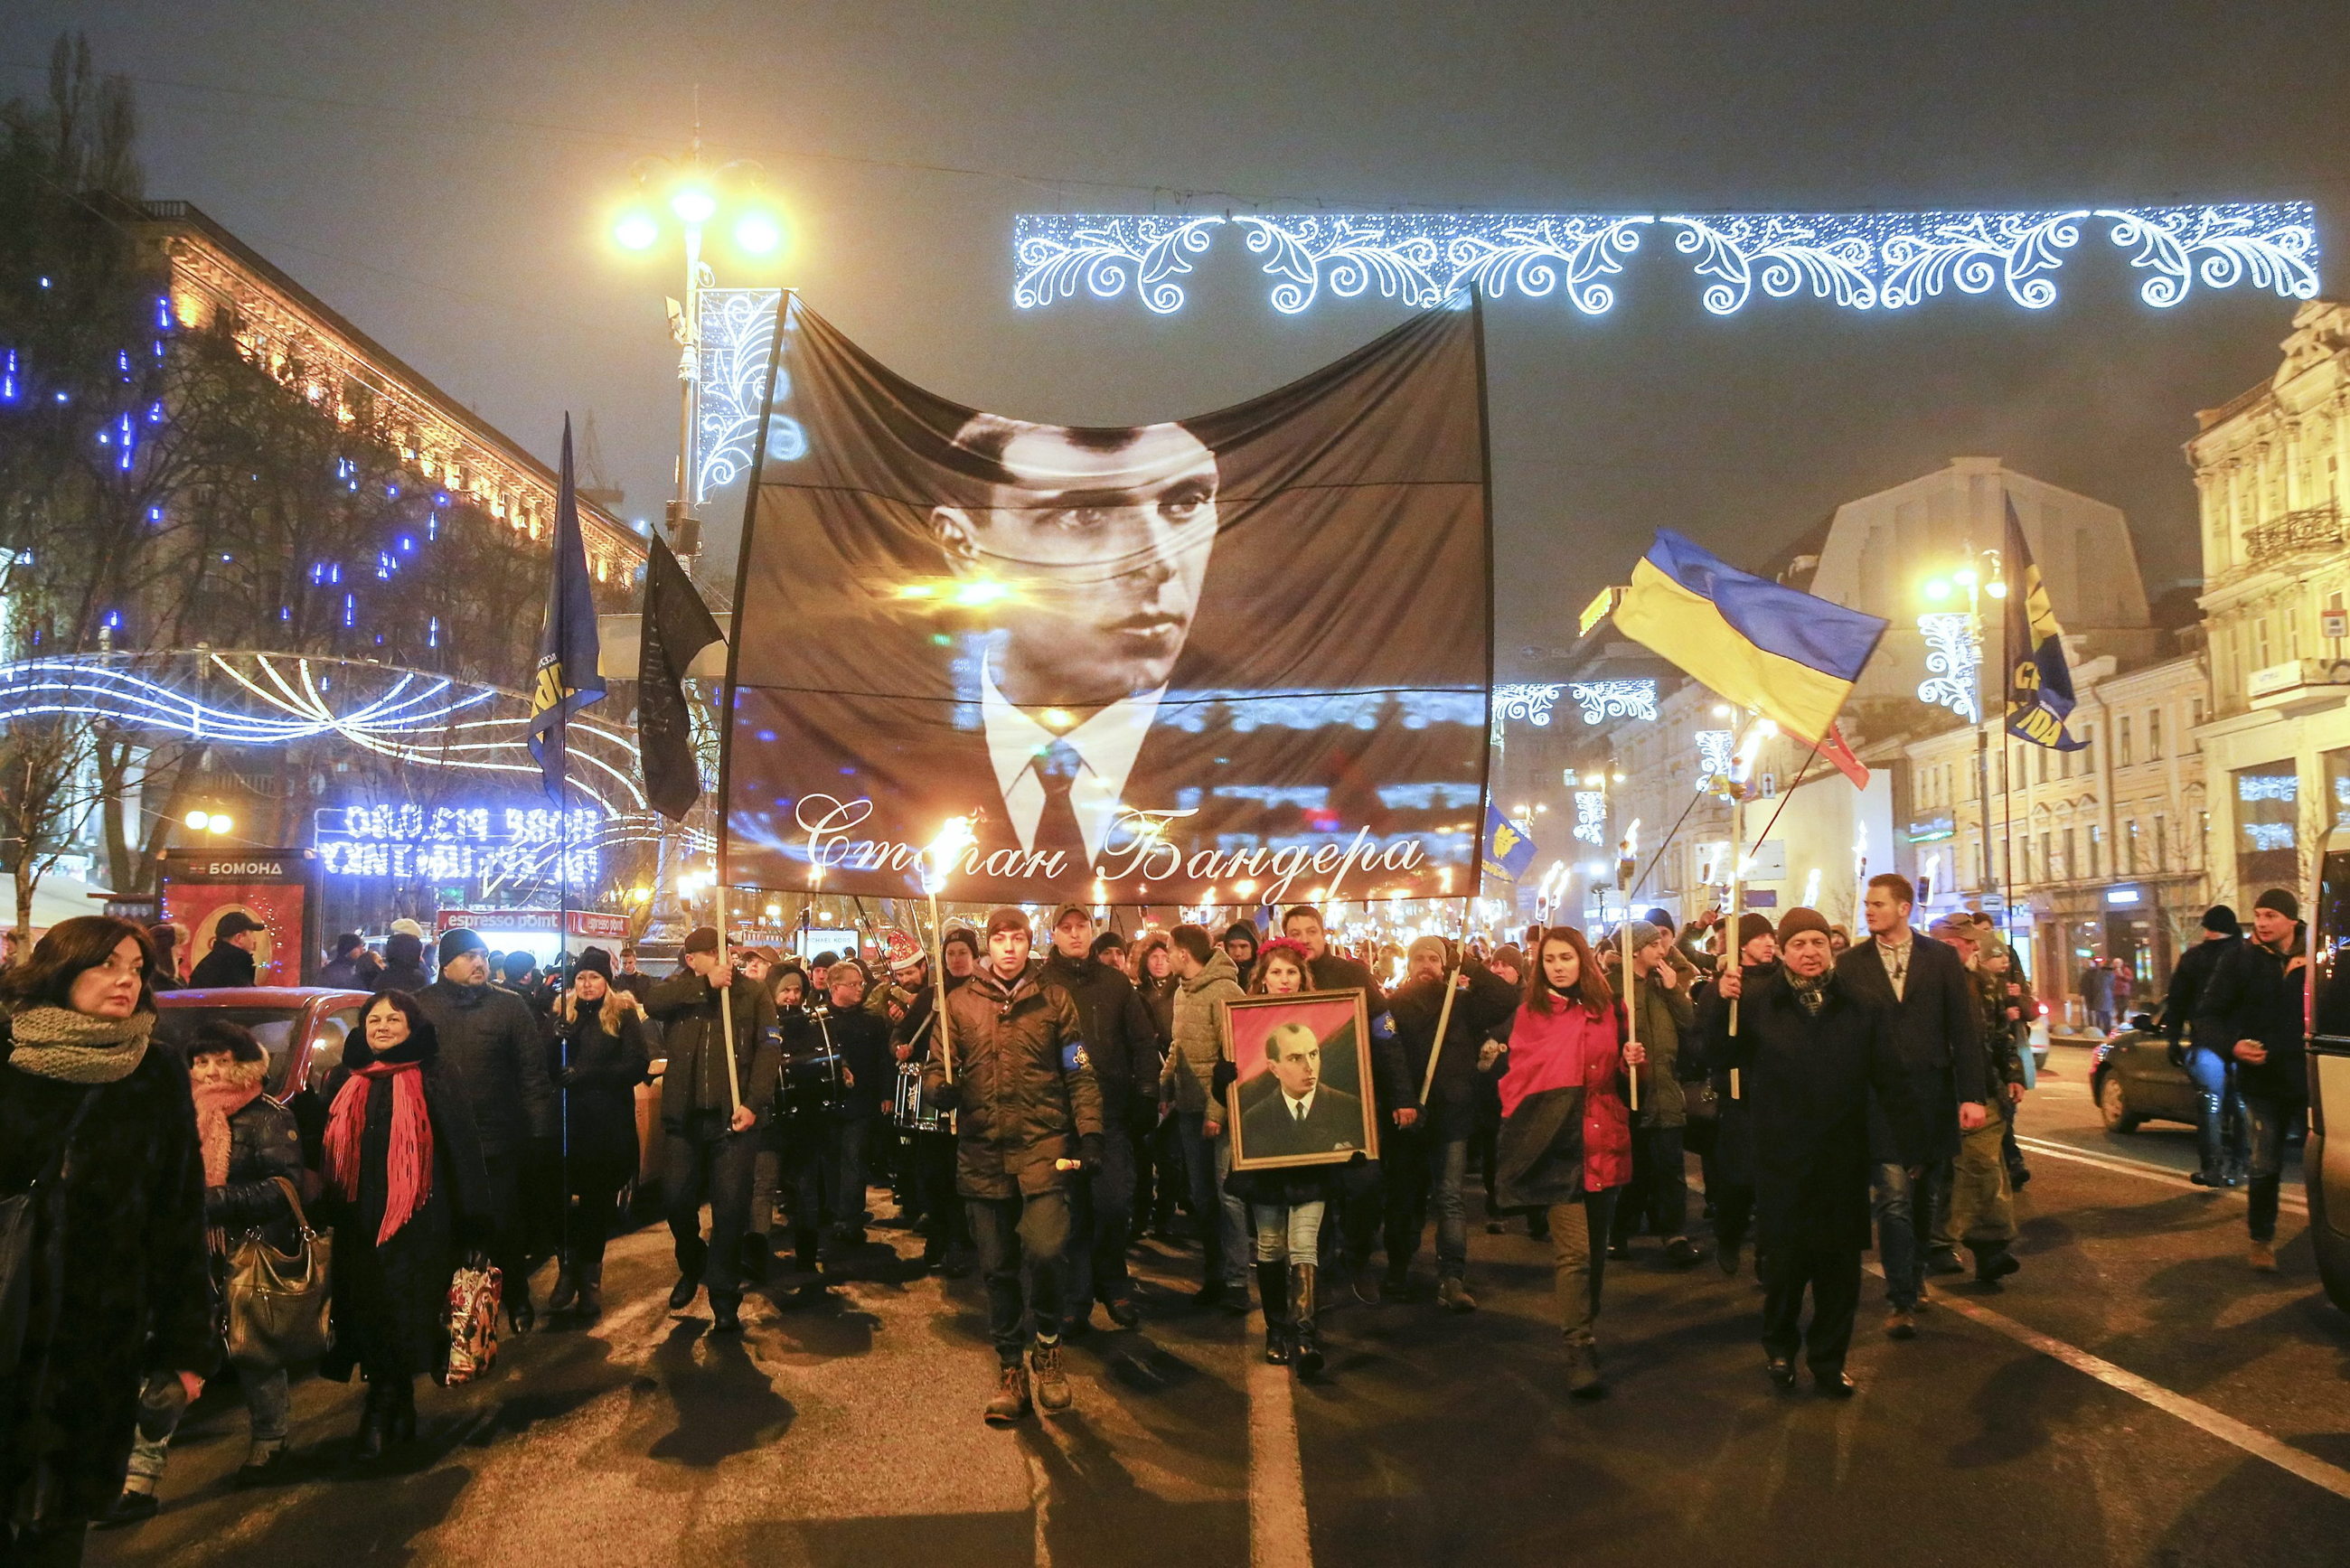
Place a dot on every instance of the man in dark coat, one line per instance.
(2206, 1068)
(1937, 1028)
(2253, 1011)
(1307, 1116)
(1122, 1044)
(1729, 1169)
(231, 961)
(403, 963)
(1819, 1062)
(1028, 1118)
(711, 1115)
(492, 1046)
(343, 969)
(1428, 1153)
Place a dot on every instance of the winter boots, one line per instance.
(1306, 1337)
(1273, 1289)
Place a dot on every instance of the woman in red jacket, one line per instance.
(1565, 1146)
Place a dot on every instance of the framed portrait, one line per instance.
(1303, 1095)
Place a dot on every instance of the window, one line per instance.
(2260, 643)
(2088, 749)
(2130, 844)
(2096, 849)
(2268, 811)
(2072, 866)
(2153, 739)
(2161, 844)
(2048, 857)
(2043, 763)
(2121, 744)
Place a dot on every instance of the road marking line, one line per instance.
(1278, 1535)
(1040, 1500)
(2195, 1413)
(2148, 1169)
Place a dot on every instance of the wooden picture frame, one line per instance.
(1340, 1116)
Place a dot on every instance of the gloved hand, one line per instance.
(945, 1095)
(1090, 1151)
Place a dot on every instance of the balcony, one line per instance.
(2311, 528)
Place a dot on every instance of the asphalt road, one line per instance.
(2135, 1396)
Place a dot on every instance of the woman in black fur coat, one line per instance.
(118, 1286)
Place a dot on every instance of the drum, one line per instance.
(907, 1109)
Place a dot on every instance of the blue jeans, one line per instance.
(1421, 1175)
(2265, 1121)
(1292, 1235)
(2209, 1073)
(1905, 1220)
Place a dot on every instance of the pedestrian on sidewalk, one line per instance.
(1658, 1195)
(1565, 1145)
(1833, 1094)
(230, 963)
(710, 1117)
(1028, 1118)
(601, 1054)
(1288, 1204)
(409, 1199)
(118, 1297)
(1206, 983)
(1938, 1030)
(2253, 1009)
(2207, 1062)
(249, 1144)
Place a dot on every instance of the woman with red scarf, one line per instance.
(1566, 1146)
(404, 1177)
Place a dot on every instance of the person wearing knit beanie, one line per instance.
(455, 943)
(594, 961)
(2222, 919)
(2278, 900)
(1800, 920)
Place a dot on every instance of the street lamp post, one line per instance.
(685, 198)
(1979, 579)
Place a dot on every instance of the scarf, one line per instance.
(75, 1048)
(1813, 992)
(218, 1097)
(408, 1163)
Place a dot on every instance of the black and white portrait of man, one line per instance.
(1097, 542)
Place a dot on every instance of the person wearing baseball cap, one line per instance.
(2205, 1066)
(2251, 1013)
(1819, 1062)
(230, 962)
(1028, 1119)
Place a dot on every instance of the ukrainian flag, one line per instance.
(1791, 656)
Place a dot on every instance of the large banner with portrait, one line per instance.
(1237, 658)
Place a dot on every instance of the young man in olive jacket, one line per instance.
(2252, 1012)
(1028, 1119)
(710, 1117)
(491, 1045)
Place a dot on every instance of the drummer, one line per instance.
(837, 1077)
(933, 1207)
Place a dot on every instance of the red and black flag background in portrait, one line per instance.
(1235, 658)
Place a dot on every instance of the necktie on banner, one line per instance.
(2039, 678)
(1790, 656)
(677, 626)
(568, 678)
(1508, 851)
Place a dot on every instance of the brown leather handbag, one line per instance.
(277, 1301)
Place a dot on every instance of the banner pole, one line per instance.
(1435, 1052)
(1631, 1002)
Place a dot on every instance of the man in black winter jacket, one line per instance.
(1122, 1043)
(2253, 1011)
(491, 1047)
(231, 961)
(1426, 1155)
(2206, 1068)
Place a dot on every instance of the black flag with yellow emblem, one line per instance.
(2039, 679)
(567, 679)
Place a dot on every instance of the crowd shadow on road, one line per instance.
(723, 1402)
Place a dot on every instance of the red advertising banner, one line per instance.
(591, 923)
(276, 886)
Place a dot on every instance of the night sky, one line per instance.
(443, 174)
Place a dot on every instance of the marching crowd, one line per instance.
(1837, 1094)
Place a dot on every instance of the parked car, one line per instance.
(2135, 1080)
(2326, 1163)
(302, 1027)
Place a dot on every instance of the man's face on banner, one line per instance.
(1104, 547)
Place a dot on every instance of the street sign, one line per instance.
(1994, 900)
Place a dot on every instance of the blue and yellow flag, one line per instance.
(567, 679)
(1791, 656)
(1508, 850)
(2039, 678)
